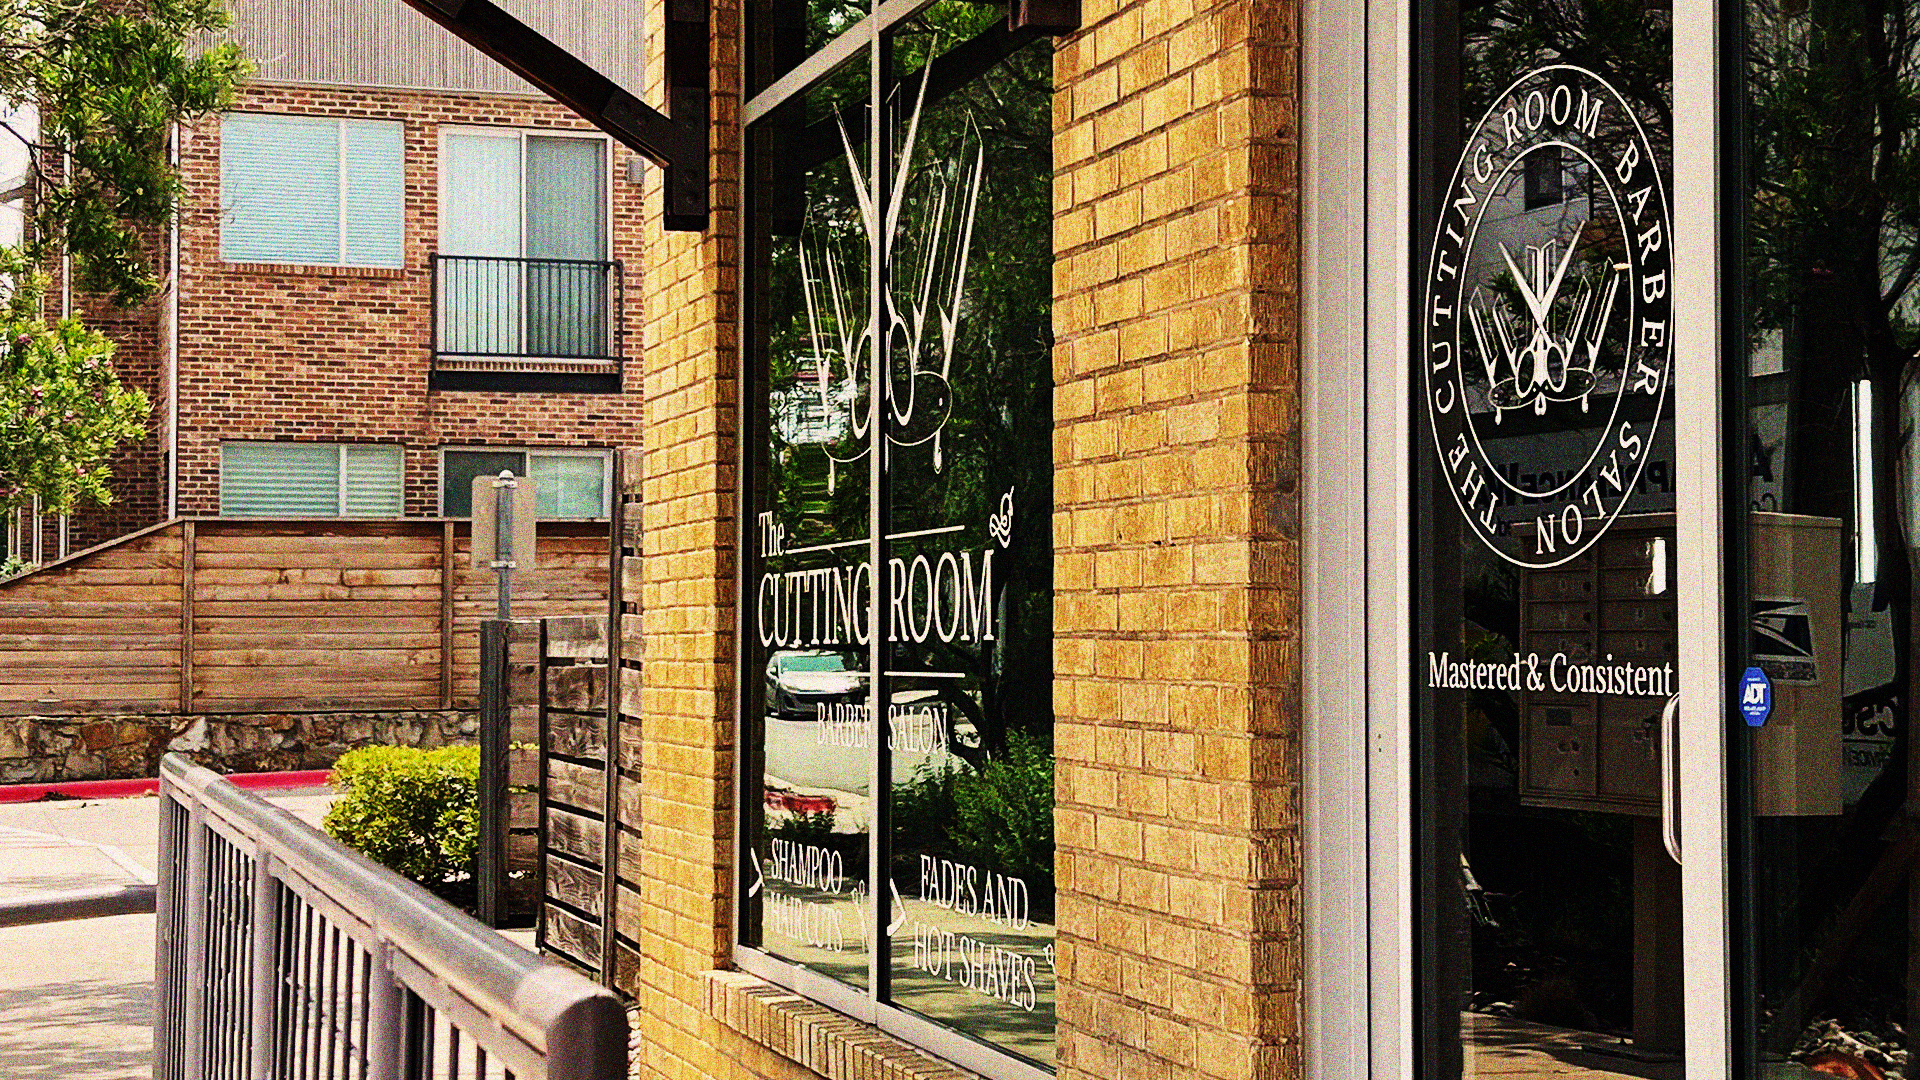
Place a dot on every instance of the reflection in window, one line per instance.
(944, 719)
(1544, 178)
(1827, 301)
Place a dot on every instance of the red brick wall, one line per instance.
(139, 468)
(343, 354)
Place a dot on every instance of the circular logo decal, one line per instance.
(1547, 310)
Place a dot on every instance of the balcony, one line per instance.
(527, 325)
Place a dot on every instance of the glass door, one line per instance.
(482, 227)
(1547, 671)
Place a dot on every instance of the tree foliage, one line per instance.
(63, 410)
(109, 79)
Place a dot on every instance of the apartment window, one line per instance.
(317, 190)
(522, 265)
(567, 484)
(295, 480)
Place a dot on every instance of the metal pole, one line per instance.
(385, 1039)
(503, 540)
(196, 942)
(265, 975)
(496, 714)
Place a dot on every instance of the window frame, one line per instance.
(862, 42)
(605, 457)
(340, 182)
(339, 477)
(521, 135)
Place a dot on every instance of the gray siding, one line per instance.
(385, 43)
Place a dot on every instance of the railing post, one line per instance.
(266, 967)
(166, 943)
(386, 1041)
(195, 944)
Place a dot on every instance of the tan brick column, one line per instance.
(687, 585)
(1176, 531)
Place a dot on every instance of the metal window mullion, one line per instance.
(877, 390)
(340, 215)
(1391, 1029)
(1335, 192)
(1701, 548)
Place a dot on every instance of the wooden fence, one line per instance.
(590, 784)
(233, 616)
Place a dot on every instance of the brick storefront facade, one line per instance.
(1177, 578)
(1176, 551)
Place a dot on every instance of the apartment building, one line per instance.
(396, 267)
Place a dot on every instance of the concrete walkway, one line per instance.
(76, 998)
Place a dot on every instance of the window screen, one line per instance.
(310, 189)
(310, 480)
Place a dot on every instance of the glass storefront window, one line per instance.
(1829, 912)
(896, 670)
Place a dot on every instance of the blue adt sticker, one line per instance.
(1756, 696)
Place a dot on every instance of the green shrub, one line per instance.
(1000, 817)
(1003, 817)
(413, 811)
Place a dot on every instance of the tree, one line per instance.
(62, 409)
(109, 79)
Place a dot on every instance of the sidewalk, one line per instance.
(76, 998)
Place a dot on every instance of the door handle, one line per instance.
(1670, 777)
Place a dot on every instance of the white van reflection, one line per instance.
(799, 682)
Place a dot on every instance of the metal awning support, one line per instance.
(678, 143)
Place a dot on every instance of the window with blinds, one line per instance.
(296, 480)
(565, 485)
(311, 189)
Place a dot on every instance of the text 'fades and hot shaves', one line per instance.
(981, 966)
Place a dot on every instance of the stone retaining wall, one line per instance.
(44, 749)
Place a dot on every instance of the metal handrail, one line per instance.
(76, 904)
(249, 896)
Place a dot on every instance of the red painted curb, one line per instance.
(120, 789)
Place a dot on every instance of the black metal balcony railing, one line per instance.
(527, 324)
